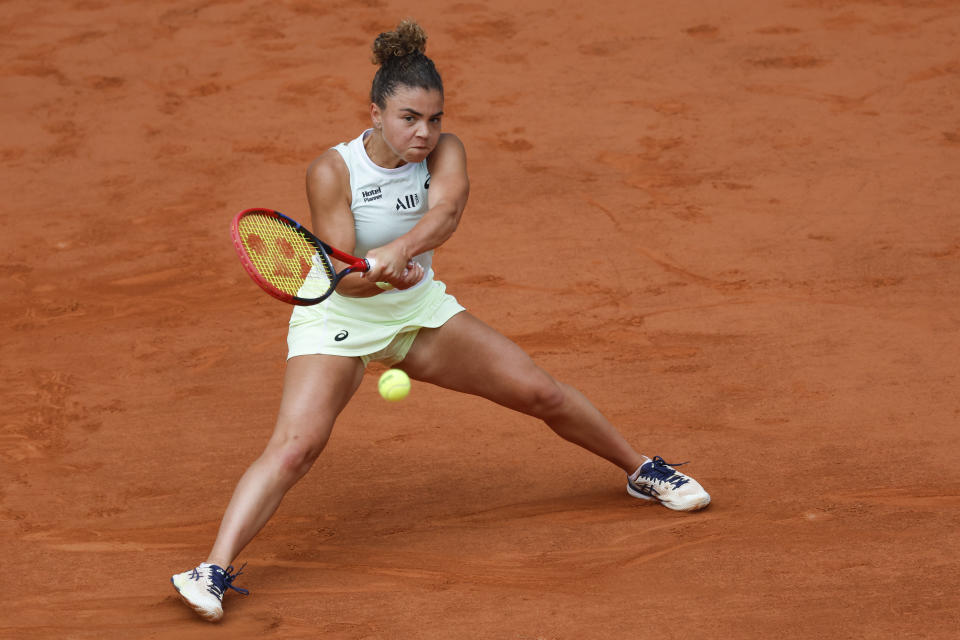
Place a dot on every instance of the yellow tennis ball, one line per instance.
(394, 385)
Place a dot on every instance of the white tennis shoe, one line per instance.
(203, 588)
(657, 480)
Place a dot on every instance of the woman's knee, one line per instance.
(544, 397)
(295, 458)
(293, 453)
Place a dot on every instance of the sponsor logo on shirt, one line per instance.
(408, 202)
(371, 194)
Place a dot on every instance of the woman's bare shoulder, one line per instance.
(449, 149)
(450, 140)
(328, 165)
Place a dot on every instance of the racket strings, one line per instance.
(284, 257)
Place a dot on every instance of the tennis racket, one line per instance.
(286, 260)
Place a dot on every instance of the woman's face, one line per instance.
(410, 122)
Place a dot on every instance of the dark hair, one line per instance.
(400, 54)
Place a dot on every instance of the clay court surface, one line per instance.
(732, 225)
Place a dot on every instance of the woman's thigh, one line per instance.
(467, 355)
(316, 388)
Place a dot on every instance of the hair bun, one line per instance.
(409, 37)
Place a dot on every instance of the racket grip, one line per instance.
(383, 285)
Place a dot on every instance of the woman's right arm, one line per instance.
(328, 192)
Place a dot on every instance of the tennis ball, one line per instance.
(394, 385)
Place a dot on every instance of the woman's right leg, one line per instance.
(316, 388)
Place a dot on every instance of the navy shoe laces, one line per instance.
(222, 579)
(662, 471)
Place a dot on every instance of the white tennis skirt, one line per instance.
(381, 328)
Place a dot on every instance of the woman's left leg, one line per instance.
(467, 355)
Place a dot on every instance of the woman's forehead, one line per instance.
(407, 97)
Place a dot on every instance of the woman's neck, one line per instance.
(380, 152)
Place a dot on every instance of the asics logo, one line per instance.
(340, 337)
(646, 490)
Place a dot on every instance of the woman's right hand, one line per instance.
(389, 265)
(409, 277)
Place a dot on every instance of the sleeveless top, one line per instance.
(386, 203)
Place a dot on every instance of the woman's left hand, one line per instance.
(390, 264)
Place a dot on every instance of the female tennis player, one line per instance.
(394, 194)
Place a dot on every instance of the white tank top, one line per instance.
(386, 203)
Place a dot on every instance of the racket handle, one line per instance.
(383, 285)
(369, 263)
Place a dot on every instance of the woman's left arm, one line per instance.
(446, 198)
